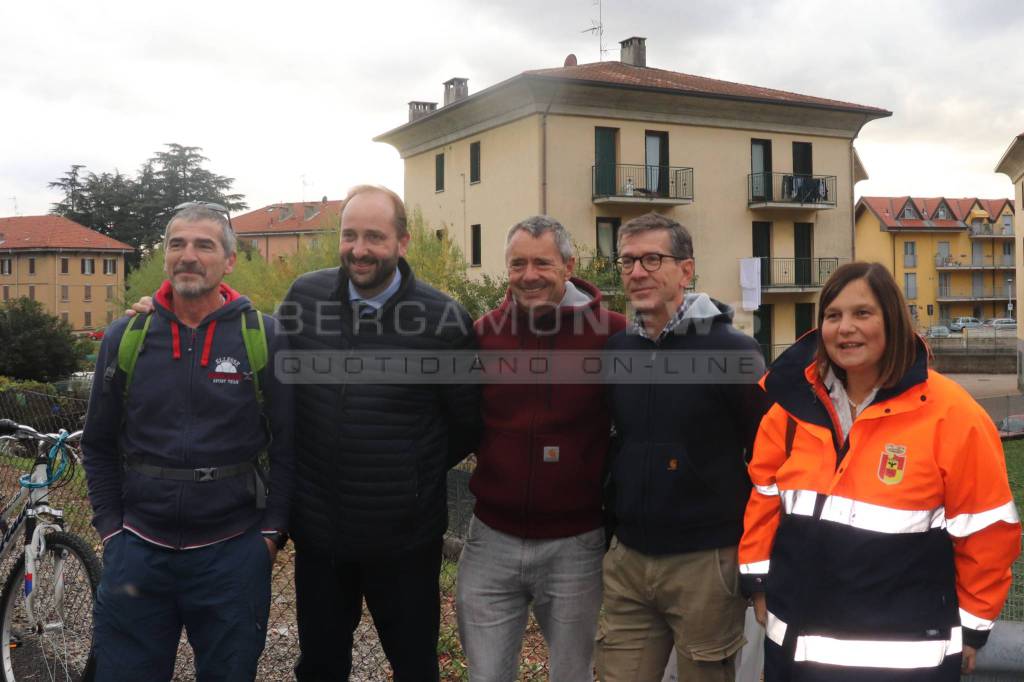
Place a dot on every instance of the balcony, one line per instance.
(786, 190)
(989, 231)
(949, 264)
(641, 184)
(796, 275)
(952, 294)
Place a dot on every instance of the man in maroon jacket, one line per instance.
(536, 536)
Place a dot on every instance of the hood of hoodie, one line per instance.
(700, 312)
(234, 302)
(581, 294)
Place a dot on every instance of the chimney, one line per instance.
(634, 51)
(455, 89)
(418, 110)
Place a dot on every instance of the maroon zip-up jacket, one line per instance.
(542, 455)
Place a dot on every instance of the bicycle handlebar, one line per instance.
(11, 428)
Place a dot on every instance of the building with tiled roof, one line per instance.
(954, 257)
(751, 171)
(1012, 166)
(279, 229)
(75, 272)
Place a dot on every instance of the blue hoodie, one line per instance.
(191, 404)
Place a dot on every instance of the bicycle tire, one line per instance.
(64, 651)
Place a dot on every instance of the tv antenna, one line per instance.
(597, 27)
(304, 186)
(14, 200)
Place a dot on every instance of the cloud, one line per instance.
(274, 93)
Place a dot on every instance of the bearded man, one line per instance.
(370, 507)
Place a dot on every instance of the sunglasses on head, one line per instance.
(207, 204)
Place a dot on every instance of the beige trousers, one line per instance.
(651, 603)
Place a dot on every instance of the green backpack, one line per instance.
(254, 336)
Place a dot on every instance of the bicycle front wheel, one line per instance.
(58, 644)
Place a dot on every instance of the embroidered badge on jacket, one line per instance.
(226, 371)
(892, 464)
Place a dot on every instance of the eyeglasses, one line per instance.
(651, 262)
(207, 204)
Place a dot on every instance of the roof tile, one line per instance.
(290, 217)
(888, 210)
(53, 232)
(648, 77)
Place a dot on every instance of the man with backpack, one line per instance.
(179, 431)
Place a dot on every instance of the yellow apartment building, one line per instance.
(1012, 166)
(752, 172)
(278, 230)
(76, 273)
(953, 257)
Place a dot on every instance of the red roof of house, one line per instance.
(648, 77)
(53, 232)
(289, 217)
(888, 210)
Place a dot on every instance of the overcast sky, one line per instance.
(285, 97)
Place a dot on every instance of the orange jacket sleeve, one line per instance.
(981, 518)
(763, 509)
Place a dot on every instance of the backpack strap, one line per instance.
(131, 345)
(254, 336)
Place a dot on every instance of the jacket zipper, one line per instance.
(185, 432)
(647, 452)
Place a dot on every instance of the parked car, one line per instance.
(96, 335)
(1011, 425)
(1004, 323)
(961, 323)
(938, 331)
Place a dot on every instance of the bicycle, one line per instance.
(46, 603)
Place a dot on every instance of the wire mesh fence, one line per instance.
(50, 412)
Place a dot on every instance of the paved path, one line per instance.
(987, 385)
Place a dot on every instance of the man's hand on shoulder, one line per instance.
(143, 305)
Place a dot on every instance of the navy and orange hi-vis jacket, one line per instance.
(891, 549)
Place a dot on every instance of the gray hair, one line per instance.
(680, 241)
(195, 214)
(538, 225)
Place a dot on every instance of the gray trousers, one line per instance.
(500, 576)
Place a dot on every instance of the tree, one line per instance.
(35, 345)
(438, 261)
(135, 210)
(179, 176)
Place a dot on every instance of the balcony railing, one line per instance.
(789, 273)
(1001, 262)
(788, 189)
(627, 183)
(991, 230)
(999, 293)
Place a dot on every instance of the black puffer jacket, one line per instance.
(372, 458)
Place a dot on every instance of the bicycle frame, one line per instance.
(38, 518)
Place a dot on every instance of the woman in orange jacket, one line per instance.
(881, 529)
